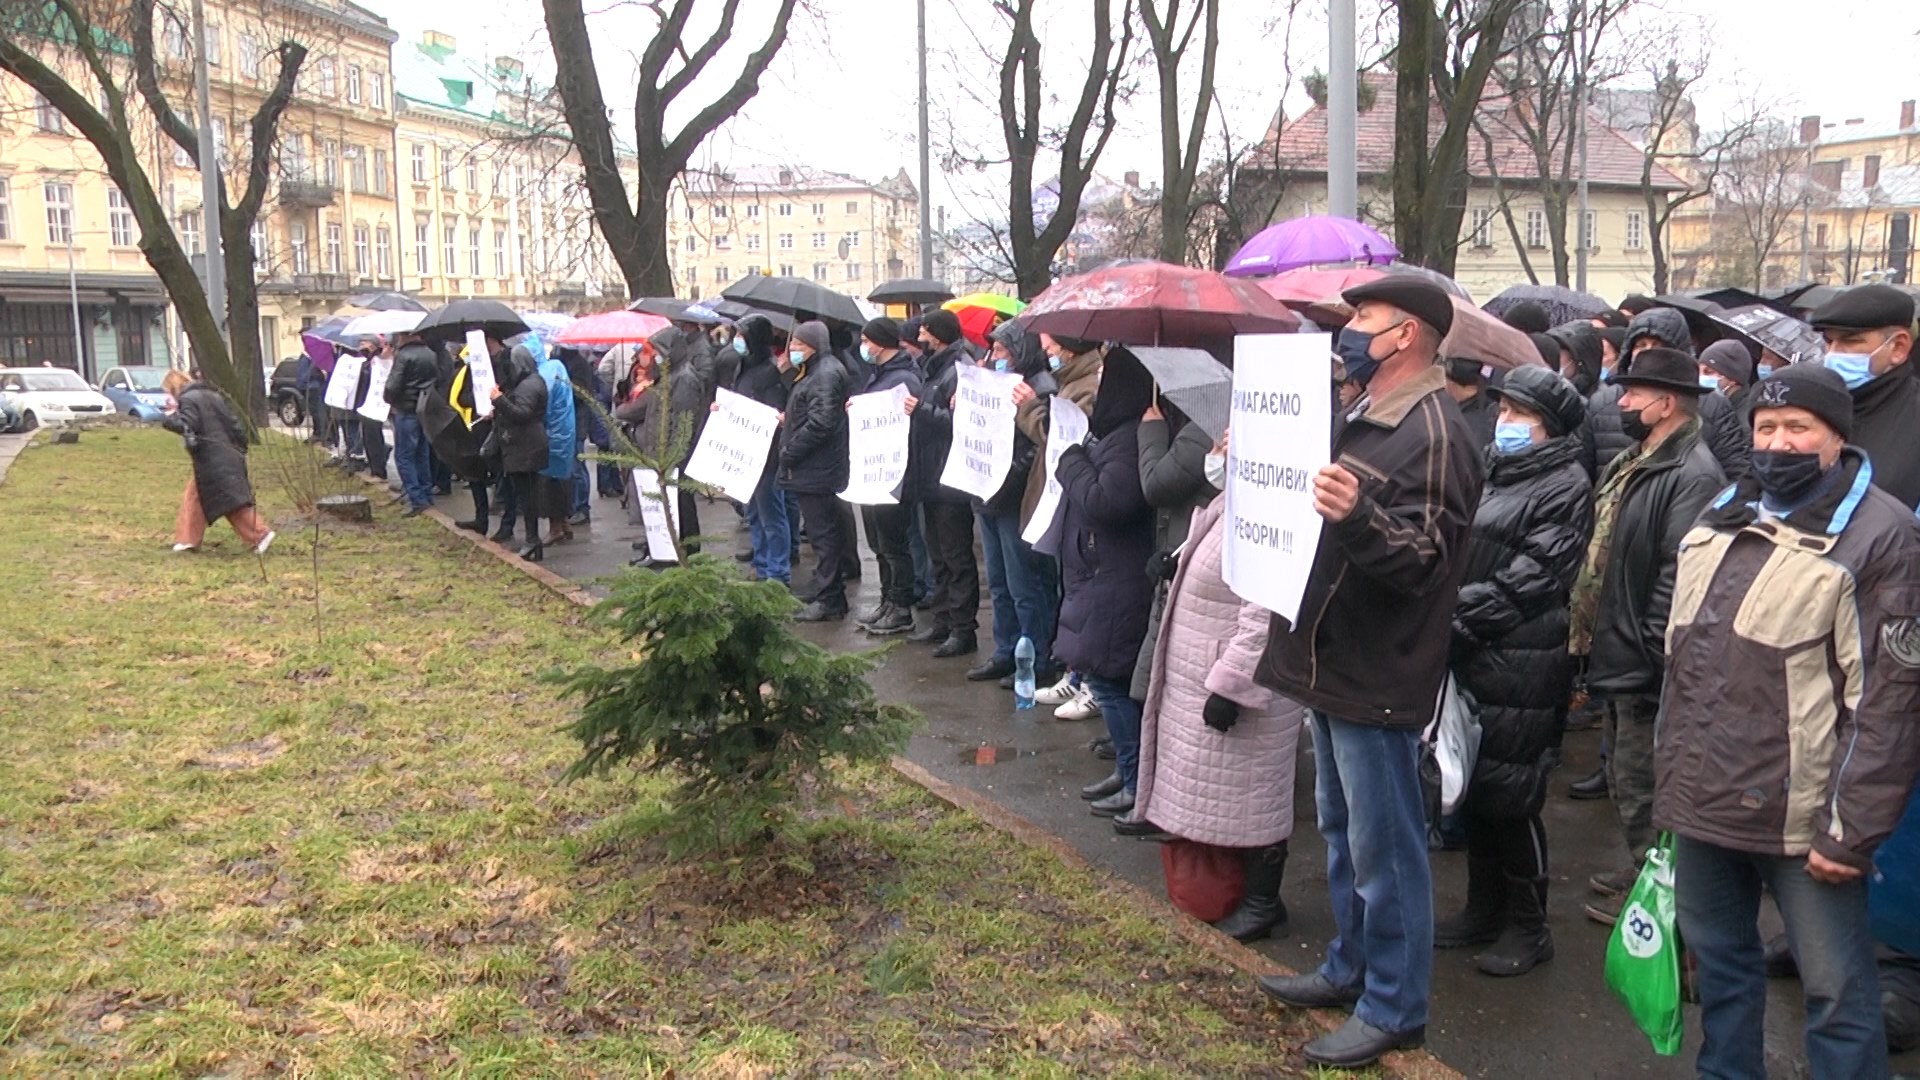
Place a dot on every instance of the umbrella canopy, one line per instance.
(793, 296)
(386, 301)
(1563, 304)
(546, 323)
(333, 329)
(996, 302)
(1476, 335)
(693, 311)
(1732, 298)
(490, 317)
(1699, 314)
(611, 328)
(1764, 326)
(1199, 385)
(1307, 241)
(911, 291)
(1140, 302)
(1314, 285)
(392, 321)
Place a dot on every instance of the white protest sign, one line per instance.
(1281, 436)
(344, 384)
(480, 373)
(661, 521)
(1066, 426)
(733, 446)
(375, 408)
(877, 428)
(982, 452)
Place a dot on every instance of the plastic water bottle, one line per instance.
(1023, 674)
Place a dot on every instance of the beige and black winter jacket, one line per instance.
(1791, 715)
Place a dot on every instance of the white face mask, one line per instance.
(1216, 469)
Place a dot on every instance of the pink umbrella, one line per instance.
(611, 328)
(1140, 302)
(1476, 335)
(1311, 284)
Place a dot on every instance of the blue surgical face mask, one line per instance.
(999, 364)
(797, 358)
(866, 352)
(1763, 371)
(740, 346)
(1053, 362)
(1352, 346)
(1855, 369)
(1710, 382)
(1511, 436)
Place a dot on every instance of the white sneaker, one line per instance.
(178, 548)
(265, 543)
(1080, 708)
(1058, 694)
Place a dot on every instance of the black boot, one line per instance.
(1486, 911)
(534, 551)
(1526, 942)
(1261, 912)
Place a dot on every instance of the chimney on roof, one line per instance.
(1906, 114)
(786, 177)
(1810, 129)
(1133, 180)
(434, 39)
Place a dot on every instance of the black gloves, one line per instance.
(1220, 713)
(1162, 565)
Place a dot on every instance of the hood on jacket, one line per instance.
(1029, 359)
(1664, 325)
(1539, 390)
(518, 365)
(1126, 389)
(1582, 340)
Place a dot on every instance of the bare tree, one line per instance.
(636, 228)
(1763, 186)
(1180, 152)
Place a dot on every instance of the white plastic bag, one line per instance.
(1451, 745)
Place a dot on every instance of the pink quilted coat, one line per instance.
(1233, 789)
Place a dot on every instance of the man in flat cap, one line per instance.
(1367, 656)
(1645, 502)
(1792, 800)
(1870, 333)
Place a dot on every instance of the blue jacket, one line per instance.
(560, 419)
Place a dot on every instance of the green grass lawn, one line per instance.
(231, 845)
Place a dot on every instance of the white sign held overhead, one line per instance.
(344, 384)
(982, 453)
(1280, 437)
(877, 429)
(733, 447)
(1066, 426)
(480, 373)
(661, 521)
(375, 408)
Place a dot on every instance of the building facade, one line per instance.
(845, 233)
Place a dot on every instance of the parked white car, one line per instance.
(46, 395)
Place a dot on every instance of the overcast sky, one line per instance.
(841, 96)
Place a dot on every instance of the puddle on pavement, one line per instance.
(993, 755)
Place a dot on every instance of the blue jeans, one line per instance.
(1367, 792)
(1717, 899)
(582, 484)
(767, 528)
(1122, 715)
(1020, 581)
(414, 458)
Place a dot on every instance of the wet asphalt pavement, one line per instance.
(1558, 1021)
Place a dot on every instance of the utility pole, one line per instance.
(1343, 195)
(1585, 241)
(73, 297)
(215, 278)
(926, 161)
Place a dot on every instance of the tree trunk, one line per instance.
(645, 264)
(1412, 60)
(243, 315)
(1656, 236)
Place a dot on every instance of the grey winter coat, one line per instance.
(217, 443)
(1173, 477)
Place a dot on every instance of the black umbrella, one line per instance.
(794, 296)
(1199, 385)
(911, 291)
(490, 317)
(678, 310)
(452, 441)
(1764, 326)
(1804, 296)
(1563, 304)
(386, 301)
(1731, 298)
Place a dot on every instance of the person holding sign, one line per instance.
(520, 439)
(887, 526)
(814, 466)
(955, 601)
(761, 380)
(411, 379)
(1367, 656)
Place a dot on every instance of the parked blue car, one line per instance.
(136, 392)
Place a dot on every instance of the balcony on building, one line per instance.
(306, 193)
(308, 285)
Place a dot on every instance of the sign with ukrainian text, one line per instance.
(1280, 435)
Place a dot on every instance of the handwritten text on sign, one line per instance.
(1066, 426)
(877, 429)
(1281, 436)
(480, 373)
(662, 519)
(733, 446)
(344, 384)
(982, 453)
(375, 408)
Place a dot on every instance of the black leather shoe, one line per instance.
(957, 645)
(1103, 749)
(993, 667)
(1593, 787)
(1006, 682)
(1309, 991)
(1103, 789)
(1358, 1044)
(501, 536)
(1113, 805)
(931, 635)
(743, 556)
(1130, 824)
(473, 526)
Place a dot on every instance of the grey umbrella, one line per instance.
(386, 301)
(794, 296)
(911, 291)
(1194, 381)
(1563, 305)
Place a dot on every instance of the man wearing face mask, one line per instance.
(1791, 800)
(887, 526)
(955, 600)
(1367, 655)
(1727, 366)
(1468, 388)
(814, 465)
(1646, 500)
(1870, 333)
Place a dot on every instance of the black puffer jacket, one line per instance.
(932, 432)
(1886, 424)
(1529, 538)
(1481, 412)
(520, 414)
(762, 380)
(217, 443)
(1106, 531)
(1582, 341)
(1603, 426)
(813, 446)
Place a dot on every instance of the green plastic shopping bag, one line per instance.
(1643, 956)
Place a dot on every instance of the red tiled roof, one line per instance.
(1302, 145)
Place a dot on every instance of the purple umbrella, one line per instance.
(1310, 241)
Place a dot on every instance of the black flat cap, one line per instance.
(1416, 296)
(1664, 369)
(1865, 307)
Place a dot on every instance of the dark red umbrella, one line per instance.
(1139, 302)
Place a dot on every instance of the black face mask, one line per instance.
(1635, 425)
(1787, 479)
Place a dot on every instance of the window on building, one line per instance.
(786, 241)
(377, 84)
(176, 37)
(47, 118)
(362, 250)
(1482, 235)
(379, 172)
(182, 157)
(357, 169)
(190, 232)
(853, 206)
(6, 208)
(213, 43)
(446, 168)
(1589, 234)
(353, 84)
(250, 54)
(257, 235)
(499, 178)
(119, 217)
(819, 209)
(499, 252)
(419, 163)
(1820, 236)
(819, 271)
(754, 270)
(328, 81)
(1636, 229)
(723, 243)
(720, 275)
(853, 271)
(449, 257)
(786, 209)
(473, 173)
(693, 243)
(220, 140)
(786, 269)
(753, 211)
(293, 158)
(333, 247)
(1536, 228)
(330, 162)
(59, 197)
(520, 254)
(753, 242)
(473, 251)
(422, 244)
(297, 240)
(383, 251)
(819, 241)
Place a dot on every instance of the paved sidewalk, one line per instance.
(10, 447)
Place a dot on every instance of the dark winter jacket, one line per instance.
(653, 428)
(1787, 725)
(1173, 476)
(1609, 440)
(1371, 642)
(1729, 434)
(1029, 361)
(1886, 424)
(762, 380)
(813, 447)
(1106, 537)
(1481, 411)
(586, 383)
(932, 432)
(520, 414)
(1663, 496)
(1529, 538)
(217, 443)
(416, 368)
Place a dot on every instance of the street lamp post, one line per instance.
(73, 296)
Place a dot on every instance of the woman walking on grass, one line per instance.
(217, 443)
